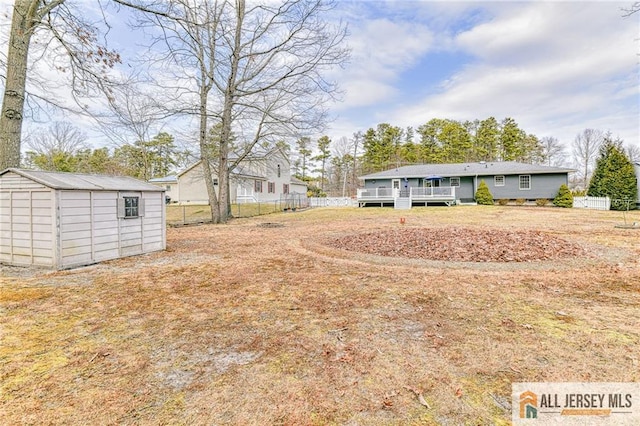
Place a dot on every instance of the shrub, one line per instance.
(503, 201)
(483, 195)
(541, 202)
(564, 197)
(520, 201)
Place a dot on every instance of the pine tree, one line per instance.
(614, 176)
(483, 195)
(564, 197)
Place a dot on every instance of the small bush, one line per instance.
(503, 201)
(483, 195)
(520, 201)
(541, 202)
(564, 197)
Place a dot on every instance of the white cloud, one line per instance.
(381, 51)
(556, 68)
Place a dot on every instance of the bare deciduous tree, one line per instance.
(585, 150)
(60, 141)
(67, 43)
(633, 152)
(628, 11)
(553, 152)
(257, 69)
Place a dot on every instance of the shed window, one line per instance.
(525, 182)
(498, 180)
(454, 181)
(131, 206)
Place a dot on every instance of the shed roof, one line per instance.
(78, 181)
(466, 169)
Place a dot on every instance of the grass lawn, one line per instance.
(247, 324)
(197, 213)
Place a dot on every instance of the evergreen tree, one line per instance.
(564, 197)
(483, 195)
(324, 146)
(304, 153)
(614, 176)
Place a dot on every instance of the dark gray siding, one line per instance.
(377, 183)
(542, 186)
(466, 191)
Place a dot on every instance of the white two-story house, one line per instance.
(260, 179)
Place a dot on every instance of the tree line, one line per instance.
(64, 148)
(332, 167)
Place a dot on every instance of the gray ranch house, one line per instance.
(457, 183)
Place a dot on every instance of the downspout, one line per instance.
(475, 187)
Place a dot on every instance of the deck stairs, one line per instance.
(403, 202)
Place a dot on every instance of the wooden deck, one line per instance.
(417, 196)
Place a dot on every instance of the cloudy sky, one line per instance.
(555, 67)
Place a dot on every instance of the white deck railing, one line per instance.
(376, 193)
(433, 192)
(415, 193)
(245, 195)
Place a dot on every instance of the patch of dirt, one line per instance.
(270, 225)
(461, 245)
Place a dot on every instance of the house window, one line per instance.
(257, 186)
(498, 181)
(285, 188)
(454, 181)
(278, 170)
(525, 182)
(131, 205)
(271, 187)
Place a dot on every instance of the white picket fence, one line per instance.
(332, 202)
(595, 203)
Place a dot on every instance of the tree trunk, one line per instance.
(13, 101)
(204, 158)
(225, 132)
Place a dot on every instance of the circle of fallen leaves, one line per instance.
(461, 245)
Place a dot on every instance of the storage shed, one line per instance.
(65, 220)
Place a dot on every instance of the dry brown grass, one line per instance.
(244, 324)
(179, 214)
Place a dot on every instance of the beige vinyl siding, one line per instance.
(13, 181)
(26, 224)
(75, 228)
(130, 236)
(153, 222)
(105, 225)
(89, 227)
